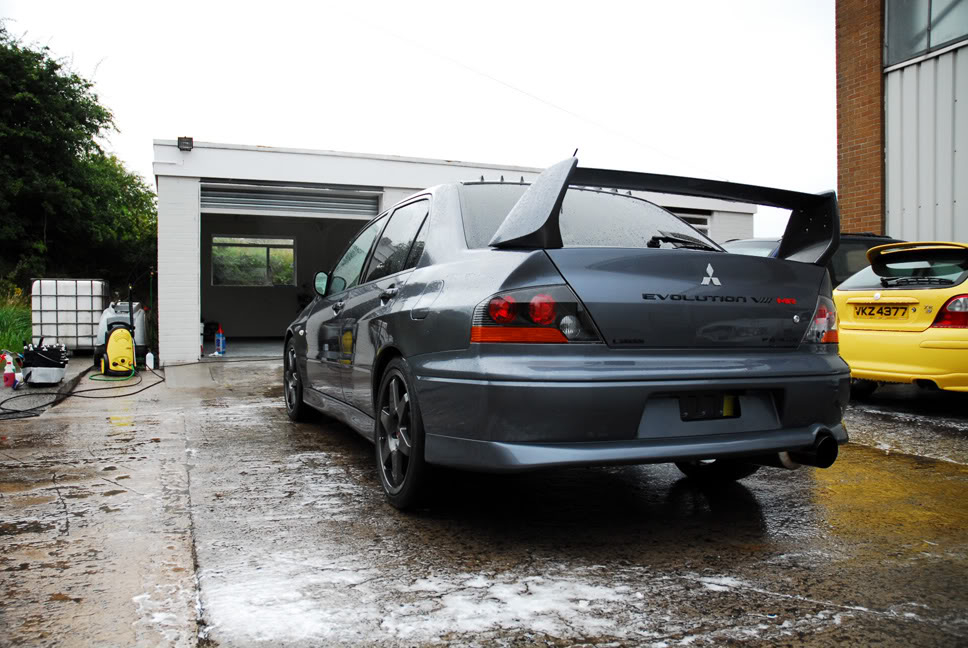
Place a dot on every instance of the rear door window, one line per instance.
(416, 250)
(589, 217)
(393, 250)
(912, 269)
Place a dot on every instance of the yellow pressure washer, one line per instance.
(118, 358)
(117, 347)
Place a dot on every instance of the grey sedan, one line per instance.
(506, 327)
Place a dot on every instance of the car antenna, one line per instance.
(575, 154)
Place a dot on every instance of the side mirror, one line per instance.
(320, 283)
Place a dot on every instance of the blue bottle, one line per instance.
(220, 341)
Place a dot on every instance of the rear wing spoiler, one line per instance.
(812, 234)
(877, 252)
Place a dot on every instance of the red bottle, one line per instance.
(9, 377)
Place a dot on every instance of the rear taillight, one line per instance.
(550, 314)
(541, 309)
(501, 309)
(954, 314)
(823, 327)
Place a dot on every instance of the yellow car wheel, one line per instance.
(102, 365)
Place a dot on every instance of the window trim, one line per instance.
(267, 246)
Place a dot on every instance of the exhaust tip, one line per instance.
(823, 454)
(826, 451)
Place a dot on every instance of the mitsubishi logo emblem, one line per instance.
(709, 278)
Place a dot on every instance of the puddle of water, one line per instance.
(24, 526)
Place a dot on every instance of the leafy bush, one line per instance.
(14, 318)
(251, 266)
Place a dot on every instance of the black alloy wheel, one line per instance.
(716, 470)
(292, 386)
(399, 437)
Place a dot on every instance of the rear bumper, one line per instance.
(594, 414)
(939, 355)
(495, 456)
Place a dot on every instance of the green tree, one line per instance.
(66, 207)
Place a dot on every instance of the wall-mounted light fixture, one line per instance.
(186, 143)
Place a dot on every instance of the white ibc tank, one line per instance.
(63, 311)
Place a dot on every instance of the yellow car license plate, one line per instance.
(881, 312)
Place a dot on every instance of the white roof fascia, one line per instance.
(209, 160)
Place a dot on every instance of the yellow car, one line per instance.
(904, 319)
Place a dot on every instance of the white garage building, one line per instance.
(242, 230)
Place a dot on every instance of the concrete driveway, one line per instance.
(195, 513)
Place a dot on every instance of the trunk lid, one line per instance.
(659, 298)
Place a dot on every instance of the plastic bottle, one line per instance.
(220, 341)
(9, 377)
(150, 360)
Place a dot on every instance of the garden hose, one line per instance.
(101, 377)
(8, 414)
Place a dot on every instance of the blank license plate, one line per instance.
(703, 407)
(881, 312)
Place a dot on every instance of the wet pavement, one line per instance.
(195, 513)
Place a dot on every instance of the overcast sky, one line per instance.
(738, 90)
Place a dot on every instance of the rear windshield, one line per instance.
(752, 247)
(912, 269)
(589, 217)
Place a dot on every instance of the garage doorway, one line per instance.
(257, 275)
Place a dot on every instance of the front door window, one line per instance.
(347, 272)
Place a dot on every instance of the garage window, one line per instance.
(253, 261)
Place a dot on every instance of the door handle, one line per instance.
(338, 306)
(388, 294)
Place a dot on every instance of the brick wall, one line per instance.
(860, 115)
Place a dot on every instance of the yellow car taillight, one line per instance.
(954, 314)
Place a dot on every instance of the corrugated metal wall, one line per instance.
(927, 149)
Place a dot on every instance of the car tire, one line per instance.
(292, 386)
(399, 437)
(716, 470)
(861, 389)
